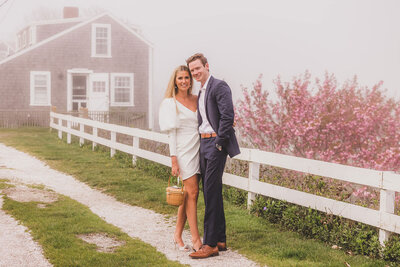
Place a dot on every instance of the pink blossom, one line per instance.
(348, 124)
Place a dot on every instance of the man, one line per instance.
(216, 117)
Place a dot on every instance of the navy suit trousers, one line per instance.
(212, 164)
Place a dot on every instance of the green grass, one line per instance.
(56, 228)
(259, 240)
(4, 184)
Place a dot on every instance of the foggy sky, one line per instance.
(243, 39)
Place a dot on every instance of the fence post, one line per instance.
(59, 131)
(254, 174)
(94, 144)
(52, 109)
(386, 204)
(82, 130)
(135, 145)
(69, 132)
(113, 141)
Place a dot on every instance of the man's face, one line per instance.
(199, 72)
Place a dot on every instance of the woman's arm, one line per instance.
(172, 152)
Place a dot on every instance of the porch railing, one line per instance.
(24, 118)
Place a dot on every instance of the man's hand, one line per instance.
(219, 147)
(175, 167)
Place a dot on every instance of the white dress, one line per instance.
(184, 142)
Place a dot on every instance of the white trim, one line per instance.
(32, 87)
(32, 35)
(112, 90)
(24, 40)
(69, 90)
(150, 85)
(19, 42)
(57, 21)
(94, 28)
(80, 71)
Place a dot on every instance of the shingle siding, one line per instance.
(73, 50)
(45, 31)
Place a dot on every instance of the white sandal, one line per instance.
(185, 248)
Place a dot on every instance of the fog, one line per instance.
(243, 39)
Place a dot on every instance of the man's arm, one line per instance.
(223, 96)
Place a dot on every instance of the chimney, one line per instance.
(71, 12)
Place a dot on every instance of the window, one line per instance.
(101, 40)
(32, 35)
(99, 86)
(40, 88)
(19, 41)
(24, 39)
(122, 89)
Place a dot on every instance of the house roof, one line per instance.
(6, 45)
(56, 21)
(58, 35)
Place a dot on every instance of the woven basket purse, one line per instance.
(175, 194)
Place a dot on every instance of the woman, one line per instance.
(178, 116)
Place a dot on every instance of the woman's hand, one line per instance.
(175, 167)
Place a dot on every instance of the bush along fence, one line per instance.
(387, 183)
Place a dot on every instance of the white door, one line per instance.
(99, 92)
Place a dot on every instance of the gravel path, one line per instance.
(17, 247)
(151, 227)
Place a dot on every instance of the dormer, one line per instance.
(41, 30)
(26, 37)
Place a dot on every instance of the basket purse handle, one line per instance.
(169, 180)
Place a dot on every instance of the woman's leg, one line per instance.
(192, 189)
(180, 222)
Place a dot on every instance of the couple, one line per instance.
(201, 135)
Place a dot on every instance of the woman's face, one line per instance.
(182, 80)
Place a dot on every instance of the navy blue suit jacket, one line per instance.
(220, 114)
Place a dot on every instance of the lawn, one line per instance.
(144, 185)
(57, 227)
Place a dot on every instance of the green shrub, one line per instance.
(392, 249)
(235, 196)
(354, 236)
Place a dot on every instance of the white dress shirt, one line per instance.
(205, 126)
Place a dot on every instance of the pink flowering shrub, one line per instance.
(348, 124)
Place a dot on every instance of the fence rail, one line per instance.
(387, 182)
(124, 118)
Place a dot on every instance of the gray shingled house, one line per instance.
(100, 64)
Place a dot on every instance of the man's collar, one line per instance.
(206, 83)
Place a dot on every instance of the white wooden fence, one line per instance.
(387, 182)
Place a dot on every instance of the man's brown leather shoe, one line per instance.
(204, 252)
(221, 246)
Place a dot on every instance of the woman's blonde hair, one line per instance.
(172, 88)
